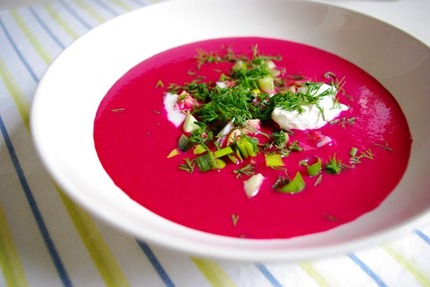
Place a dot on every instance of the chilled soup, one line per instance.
(368, 142)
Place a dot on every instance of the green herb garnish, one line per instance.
(334, 166)
(246, 170)
(222, 123)
(188, 166)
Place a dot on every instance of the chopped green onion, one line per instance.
(274, 160)
(247, 147)
(266, 85)
(206, 162)
(333, 166)
(184, 143)
(353, 151)
(173, 153)
(295, 186)
(199, 149)
(315, 169)
(233, 159)
(223, 152)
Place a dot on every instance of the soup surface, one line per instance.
(370, 143)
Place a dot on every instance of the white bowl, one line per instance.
(69, 94)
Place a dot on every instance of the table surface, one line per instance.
(47, 240)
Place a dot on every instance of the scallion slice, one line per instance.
(184, 143)
(295, 186)
(315, 169)
(274, 160)
(223, 152)
(206, 162)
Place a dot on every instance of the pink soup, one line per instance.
(133, 138)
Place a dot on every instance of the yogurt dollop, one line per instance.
(313, 116)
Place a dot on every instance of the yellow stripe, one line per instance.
(407, 265)
(11, 266)
(213, 272)
(308, 268)
(96, 246)
(91, 11)
(31, 39)
(105, 262)
(17, 95)
(63, 24)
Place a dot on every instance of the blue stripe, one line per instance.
(18, 52)
(423, 236)
(155, 263)
(269, 276)
(46, 28)
(138, 2)
(367, 270)
(107, 8)
(75, 15)
(33, 205)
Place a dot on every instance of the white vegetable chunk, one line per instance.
(252, 185)
(174, 115)
(190, 123)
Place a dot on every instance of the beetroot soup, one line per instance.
(252, 137)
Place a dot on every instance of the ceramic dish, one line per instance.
(69, 94)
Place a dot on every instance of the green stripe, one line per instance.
(310, 270)
(104, 260)
(31, 38)
(15, 92)
(407, 265)
(90, 11)
(11, 266)
(213, 272)
(63, 24)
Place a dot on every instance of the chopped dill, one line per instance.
(159, 84)
(234, 219)
(117, 110)
(188, 166)
(384, 146)
(246, 170)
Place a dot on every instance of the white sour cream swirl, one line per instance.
(312, 116)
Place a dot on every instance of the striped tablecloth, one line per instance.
(47, 240)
